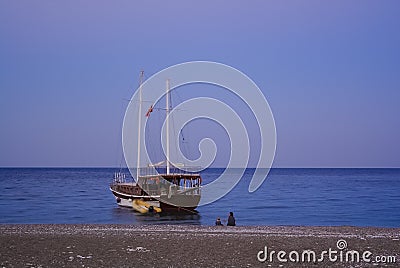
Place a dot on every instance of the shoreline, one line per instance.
(102, 245)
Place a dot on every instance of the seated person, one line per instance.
(218, 222)
(231, 220)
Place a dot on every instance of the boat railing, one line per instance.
(119, 177)
(157, 186)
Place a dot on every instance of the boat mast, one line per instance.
(167, 124)
(139, 127)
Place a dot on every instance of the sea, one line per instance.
(289, 196)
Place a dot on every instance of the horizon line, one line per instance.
(282, 167)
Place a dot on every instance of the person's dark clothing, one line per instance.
(231, 221)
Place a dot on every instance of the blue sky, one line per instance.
(330, 71)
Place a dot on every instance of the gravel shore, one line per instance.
(196, 246)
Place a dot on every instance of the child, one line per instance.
(218, 222)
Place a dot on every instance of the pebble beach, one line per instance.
(197, 246)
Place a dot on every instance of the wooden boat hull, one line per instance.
(125, 198)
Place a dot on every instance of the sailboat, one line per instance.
(162, 187)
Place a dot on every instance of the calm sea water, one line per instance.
(360, 197)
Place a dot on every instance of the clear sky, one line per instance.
(329, 69)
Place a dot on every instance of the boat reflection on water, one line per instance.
(168, 218)
(130, 216)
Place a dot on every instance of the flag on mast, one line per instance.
(149, 111)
